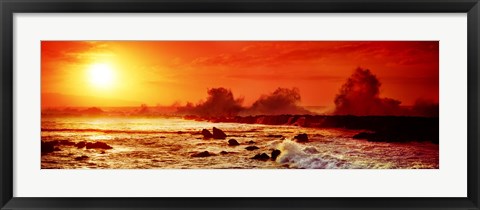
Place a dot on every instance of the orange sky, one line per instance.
(168, 72)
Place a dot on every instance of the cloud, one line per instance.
(264, 54)
(73, 51)
(264, 77)
(278, 53)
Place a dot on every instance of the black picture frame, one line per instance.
(10, 7)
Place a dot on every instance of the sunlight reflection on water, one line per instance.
(169, 143)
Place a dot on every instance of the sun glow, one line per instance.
(101, 75)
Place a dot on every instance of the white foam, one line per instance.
(299, 156)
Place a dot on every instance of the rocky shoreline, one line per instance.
(376, 128)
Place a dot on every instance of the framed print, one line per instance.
(81, 119)
(239, 105)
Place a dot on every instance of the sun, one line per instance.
(101, 75)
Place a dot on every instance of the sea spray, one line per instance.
(299, 156)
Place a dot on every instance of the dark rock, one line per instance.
(218, 134)
(83, 157)
(310, 150)
(262, 157)
(98, 145)
(233, 142)
(275, 154)
(301, 121)
(388, 137)
(250, 148)
(275, 136)
(223, 152)
(48, 147)
(384, 137)
(202, 154)
(206, 134)
(64, 143)
(251, 142)
(81, 144)
(363, 135)
(301, 137)
(384, 128)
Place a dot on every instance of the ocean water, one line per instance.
(169, 143)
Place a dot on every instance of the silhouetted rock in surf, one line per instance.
(251, 142)
(233, 142)
(98, 145)
(206, 134)
(275, 136)
(83, 157)
(399, 128)
(202, 154)
(301, 137)
(302, 121)
(51, 146)
(275, 154)
(378, 137)
(48, 147)
(363, 135)
(262, 157)
(218, 134)
(81, 144)
(223, 152)
(310, 150)
(250, 148)
(63, 143)
(393, 136)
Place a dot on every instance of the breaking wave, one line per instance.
(299, 156)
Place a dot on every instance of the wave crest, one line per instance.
(299, 156)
